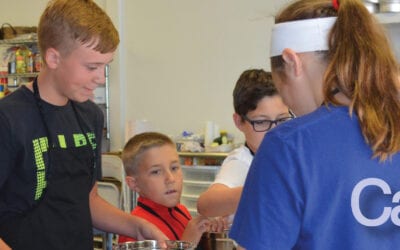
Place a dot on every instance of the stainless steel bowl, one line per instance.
(139, 245)
(179, 245)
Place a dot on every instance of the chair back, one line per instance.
(109, 192)
(112, 166)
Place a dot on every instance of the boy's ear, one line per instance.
(132, 183)
(52, 58)
(237, 119)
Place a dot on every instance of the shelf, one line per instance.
(34, 74)
(203, 154)
(18, 41)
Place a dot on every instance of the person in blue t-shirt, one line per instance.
(330, 178)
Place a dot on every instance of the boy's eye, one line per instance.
(261, 122)
(155, 172)
(91, 68)
(175, 168)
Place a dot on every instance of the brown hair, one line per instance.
(252, 86)
(137, 145)
(361, 65)
(66, 22)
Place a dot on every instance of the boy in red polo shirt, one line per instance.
(153, 171)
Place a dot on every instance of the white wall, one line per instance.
(21, 12)
(183, 58)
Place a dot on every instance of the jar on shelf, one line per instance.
(29, 62)
(37, 62)
(3, 87)
(20, 61)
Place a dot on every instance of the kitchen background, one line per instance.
(178, 60)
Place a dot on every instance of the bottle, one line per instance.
(20, 61)
(3, 84)
(223, 138)
(12, 64)
(38, 62)
(29, 62)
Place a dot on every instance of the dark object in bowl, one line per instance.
(216, 241)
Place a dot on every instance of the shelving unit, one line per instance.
(18, 41)
(15, 80)
(198, 175)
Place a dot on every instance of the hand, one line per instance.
(218, 224)
(195, 229)
(148, 231)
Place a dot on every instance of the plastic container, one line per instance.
(194, 187)
(199, 173)
(190, 201)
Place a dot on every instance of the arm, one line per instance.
(111, 219)
(219, 200)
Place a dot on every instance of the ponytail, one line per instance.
(362, 67)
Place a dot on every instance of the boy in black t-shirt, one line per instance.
(51, 135)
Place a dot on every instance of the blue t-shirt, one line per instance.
(313, 184)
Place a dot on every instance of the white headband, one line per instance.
(301, 36)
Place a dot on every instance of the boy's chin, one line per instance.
(171, 203)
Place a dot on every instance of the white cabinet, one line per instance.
(198, 175)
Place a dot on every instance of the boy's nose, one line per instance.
(169, 176)
(102, 74)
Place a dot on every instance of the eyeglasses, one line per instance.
(266, 125)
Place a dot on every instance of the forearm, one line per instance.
(219, 200)
(111, 219)
(108, 218)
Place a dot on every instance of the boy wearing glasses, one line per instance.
(258, 108)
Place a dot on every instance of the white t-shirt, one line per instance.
(234, 169)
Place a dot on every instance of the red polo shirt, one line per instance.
(171, 221)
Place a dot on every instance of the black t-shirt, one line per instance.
(23, 144)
